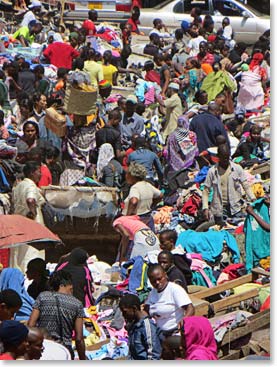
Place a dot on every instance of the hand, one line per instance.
(206, 215)
(30, 215)
(249, 209)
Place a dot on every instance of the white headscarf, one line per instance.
(106, 154)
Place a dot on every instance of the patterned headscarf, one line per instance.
(106, 154)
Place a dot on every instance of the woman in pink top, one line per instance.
(131, 228)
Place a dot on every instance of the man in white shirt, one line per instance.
(35, 8)
(158, 26)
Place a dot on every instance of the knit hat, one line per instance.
(13, 332)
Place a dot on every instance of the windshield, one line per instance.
(254, 11)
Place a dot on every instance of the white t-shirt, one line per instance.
(28, 17)
(145, 193)
(193, 44)
(166, 306)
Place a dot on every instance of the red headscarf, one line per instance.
(256, 60)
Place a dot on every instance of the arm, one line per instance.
(79, 338)
(115, 75)
(132, 206)
(125, 238)
(166, 83)
(189, 310)
(33, 318)
(261, 222)
(157, 200)
(22, 41)
(32, 205)
(205, 203)
(159, 167)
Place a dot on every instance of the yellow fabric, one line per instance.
(91, 339)
(95, 71)
(108, 71)
(246, 287)
(265, 263)
(258, 190)
(144, 267)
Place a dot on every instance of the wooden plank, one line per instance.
(257, 321)
(236, 298)
(232, 355)
(201, 306)
(260, 271)
(222, 287)
(195, 288)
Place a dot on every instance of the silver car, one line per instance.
(247, 23)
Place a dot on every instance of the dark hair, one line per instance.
(39, 69)
(170, 234)
(130, 301)
(34, 152)
(140, 108)
(36, 97)
(62, 72)
(221, 94)
(156, 21)
(107, 55)
(179, 33)
(92, 14)
(11, 298)
(2, 115)
(38, 265)
(58, 278)
(25, 101)
(30, 167)
(153, 268)
(34, 124)
(223, 149)
(78, 63)
(91, 54)
(113, 114)
(149, 65)
(140, 142)
(52, 152)
(154, 36)
(199, 94)
(255, 129)
(168, 254)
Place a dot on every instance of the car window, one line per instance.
(187, 5)
(227, 8)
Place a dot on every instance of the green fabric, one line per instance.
(257, 240)
(215, 83)
(25, 32)
(263, 294)
(197, 278)
(240, 158)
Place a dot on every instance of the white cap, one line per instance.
(35, 3)
(174, 86)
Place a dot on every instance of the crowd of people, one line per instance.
(181, 150)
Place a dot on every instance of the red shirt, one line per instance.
(46, 177)
(89, 26)
(6, 357)
(61, 54)
(153, 76)
(134, 24)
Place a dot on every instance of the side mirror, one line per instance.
(245, 14)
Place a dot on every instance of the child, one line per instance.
(168, 240)
(143, 341)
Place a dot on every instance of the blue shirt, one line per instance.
(130, 126)
(143, 341)
(149, 160)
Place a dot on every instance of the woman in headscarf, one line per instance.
(76, 265)
(109, 170)
(196, 342)
(192, 79)
(182, 146)
(29, 139)
(252, 84)
(13, 279)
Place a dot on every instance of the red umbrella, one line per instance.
(16, 230)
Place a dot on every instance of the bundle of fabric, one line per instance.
(209, 244)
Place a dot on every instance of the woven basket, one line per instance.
(55, 121)
(79, 102)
